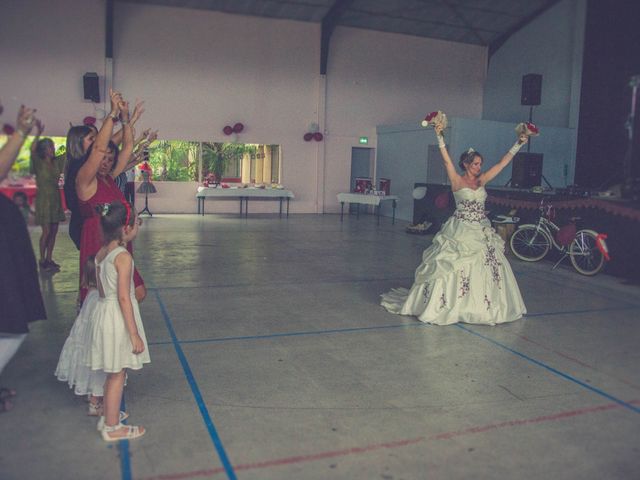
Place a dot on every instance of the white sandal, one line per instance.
(100, 425)
(131, 432)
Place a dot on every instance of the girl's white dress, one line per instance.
(72, 366)
(111, 348)
(464, 275)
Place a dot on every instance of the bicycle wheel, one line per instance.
(529, 244)
(585, 255)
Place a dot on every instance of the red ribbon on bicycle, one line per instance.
(602, 245)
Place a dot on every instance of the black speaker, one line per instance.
(526, 171)
(91, 86)
(531, 89)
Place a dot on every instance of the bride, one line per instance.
(464, 275)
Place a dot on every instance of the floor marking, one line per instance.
(196, 393)
(299, 459)
(553, 370)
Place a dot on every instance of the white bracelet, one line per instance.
(441, 143)
(516, 148)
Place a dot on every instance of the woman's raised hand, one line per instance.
(39, 127)
(138, 110)
(26, 119)
(123, 106)
(438, 128)
(523, 138)
(116, 98)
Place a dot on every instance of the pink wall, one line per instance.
(200, 70)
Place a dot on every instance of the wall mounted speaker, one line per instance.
(531, 89)
(91, 84)
(526, 170)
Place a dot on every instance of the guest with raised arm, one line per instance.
(95, 183)
(21, 297)
(47, 168)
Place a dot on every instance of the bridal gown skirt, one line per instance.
(464, 277)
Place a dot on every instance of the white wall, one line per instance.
(44, 52)
(551, 45)
(199, 70)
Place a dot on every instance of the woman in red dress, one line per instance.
(95, 184)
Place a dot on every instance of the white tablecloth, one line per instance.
(243, 192)
(364, 199)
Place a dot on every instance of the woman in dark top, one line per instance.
(21, 297)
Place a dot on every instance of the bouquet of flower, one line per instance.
(435, 118)
(527, 128)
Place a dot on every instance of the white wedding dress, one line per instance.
(464, 275)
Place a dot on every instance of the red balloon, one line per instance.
(318, 137)
(227, 130)
(308, 137)
(238, 127)
(89, 121)
(8, 129)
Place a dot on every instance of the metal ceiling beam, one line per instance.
(405, 18)
(466, 23)
(495, 45)
(329, 22)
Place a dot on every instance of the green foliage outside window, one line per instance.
(174, 160)
(21, 166)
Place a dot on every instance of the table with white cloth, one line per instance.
(364, 199)
(244, 194)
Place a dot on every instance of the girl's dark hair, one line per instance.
(89, 279)
(41, 146)
(467, 158)
(113, 216)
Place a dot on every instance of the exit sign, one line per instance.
(364, 140)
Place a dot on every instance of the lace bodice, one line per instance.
(470, 204)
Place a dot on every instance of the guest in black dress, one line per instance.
(19, 287)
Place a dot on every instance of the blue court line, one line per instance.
(552, 370)
(295, 334)
(123, 446)
(361, 329)
(196, 393)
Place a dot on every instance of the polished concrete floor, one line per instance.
(272, 359)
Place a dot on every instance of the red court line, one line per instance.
(579, 362)
(389, 445)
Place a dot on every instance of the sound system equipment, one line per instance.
(91, 84)
(531, 89)
(526, 170)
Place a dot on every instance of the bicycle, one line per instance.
(587, 249)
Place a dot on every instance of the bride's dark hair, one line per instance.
(467, 158)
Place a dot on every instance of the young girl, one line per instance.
(71, 365)
(118, 341)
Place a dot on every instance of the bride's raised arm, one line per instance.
(454, 178)
(490, 174)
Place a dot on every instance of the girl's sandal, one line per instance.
(95, 409)
(100, 425)
(131, 432)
